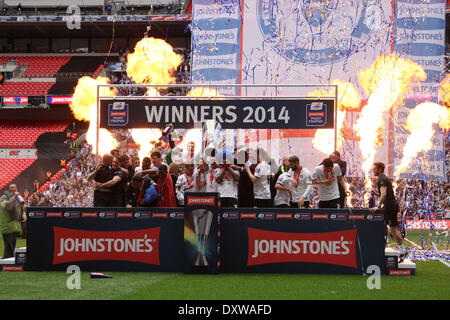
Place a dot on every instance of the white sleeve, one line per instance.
(180, 180)
(315, 175)
(280, 179)
(337, 170)
(236, 172)
(258, 172)
(308, 182)
(217, 173)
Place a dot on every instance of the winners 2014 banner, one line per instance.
(231, 114)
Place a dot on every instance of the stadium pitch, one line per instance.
(431, 282)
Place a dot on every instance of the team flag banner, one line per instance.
(216, 44)
(201, 232)
(301, 241)
(231, 114)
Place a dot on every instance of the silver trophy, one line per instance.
(202, 219)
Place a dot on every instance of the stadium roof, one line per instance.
(161, 27)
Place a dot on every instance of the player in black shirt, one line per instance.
(390, 206)
(102, 173)
(117, 184)
(134, 192)
(245, 187)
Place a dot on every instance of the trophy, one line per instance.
(202, 220)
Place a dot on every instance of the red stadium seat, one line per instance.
(25, 133)
(41, 66)
(11, 168)
(13, 88)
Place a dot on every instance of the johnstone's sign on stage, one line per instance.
(231, 114)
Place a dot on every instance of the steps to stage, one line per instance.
(15, 263)
(394, 268)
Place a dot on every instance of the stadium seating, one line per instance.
(23, 134)
(11, 168)
(37, 66)
(97, 71)
(18, 88)
(3, 60)
(41, 66)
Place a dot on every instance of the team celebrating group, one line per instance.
(252, 182)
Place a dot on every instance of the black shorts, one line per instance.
(228, 202)
(103, 199)
(329, 204)
(282, 206)
(390, 214)
(262, 203)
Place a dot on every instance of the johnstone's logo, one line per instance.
(338, 248)
(72, 245)
(209, 201)
(318, 32)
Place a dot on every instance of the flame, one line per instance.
(324, 138)
(420, 123)
(84, 108)
(444, 90)
(145, 138)
(152, 62)
(152, 92)
(348, 199)
(203, 92)
(348, 99)
(385, 82)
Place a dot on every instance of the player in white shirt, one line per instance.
(301, 185)
(227, 184)
(326, 177)
(204, 178)
(284, 192)
(185, 182)
(261, 181)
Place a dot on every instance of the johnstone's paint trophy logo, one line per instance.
(318, 32)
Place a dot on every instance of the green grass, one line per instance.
(432, 282)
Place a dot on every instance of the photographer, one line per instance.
(12, 215)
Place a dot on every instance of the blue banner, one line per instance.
(420, 34)
(420, 37)
(216, 36)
